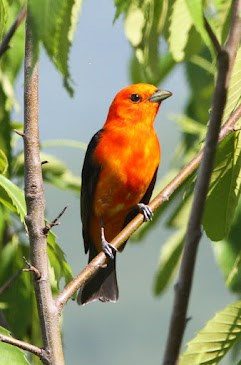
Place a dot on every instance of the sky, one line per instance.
(133, 330)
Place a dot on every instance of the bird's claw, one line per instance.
(108, 249)
(146, 211)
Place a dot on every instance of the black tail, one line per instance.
(102, 286)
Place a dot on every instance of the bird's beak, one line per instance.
(160, 95)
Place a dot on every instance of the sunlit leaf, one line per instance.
(218, 336)
(3, 162)
(144, 23)
(180, 25)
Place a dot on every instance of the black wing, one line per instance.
(90, 173)
(145, 200)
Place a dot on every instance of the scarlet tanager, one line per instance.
(118, 177)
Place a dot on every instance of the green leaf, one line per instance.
(178, 38)
(234, 91)
(12, 197)
(58, 263)
(54, 23)
(134, 25)
(11, 61)
(11, 354)
(169, 261)
(225, 185)
(3, 16)
(19, 297)
(224, 189)
(189, 125)
(179, 217)
(195, 8)
(55, 172)
(144, 23)
(228, 254)
(121, 7)
(218, 336)
(3, 162)
(221, 21)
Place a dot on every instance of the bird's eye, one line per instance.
(136, 98)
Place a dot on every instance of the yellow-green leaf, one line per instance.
(3, 162)
(180, 25)
(218, 336)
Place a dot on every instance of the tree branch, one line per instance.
(24, 346)
(35, 203)
(226, 58)
(212, 36)
(164, 195)
(4, 46)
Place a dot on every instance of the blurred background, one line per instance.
(133, 330)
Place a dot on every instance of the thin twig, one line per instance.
(31, 268)
(10, 281)
(19, 133)
(55, 222)
(226, 58)
(35, 203)
(212, 36)
(164, 195)
(41, 353)
(4, 46)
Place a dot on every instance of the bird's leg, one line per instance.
(146, 211)
(108, 249)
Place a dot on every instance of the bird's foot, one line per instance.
(146, 211)
(107, 248)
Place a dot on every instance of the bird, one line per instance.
(118, 176)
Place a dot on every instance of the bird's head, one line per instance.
(138, 103)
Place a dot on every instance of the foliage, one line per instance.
(175, 32)
(216, 338)
(152, 28)
(57, 37)
(11, 354)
